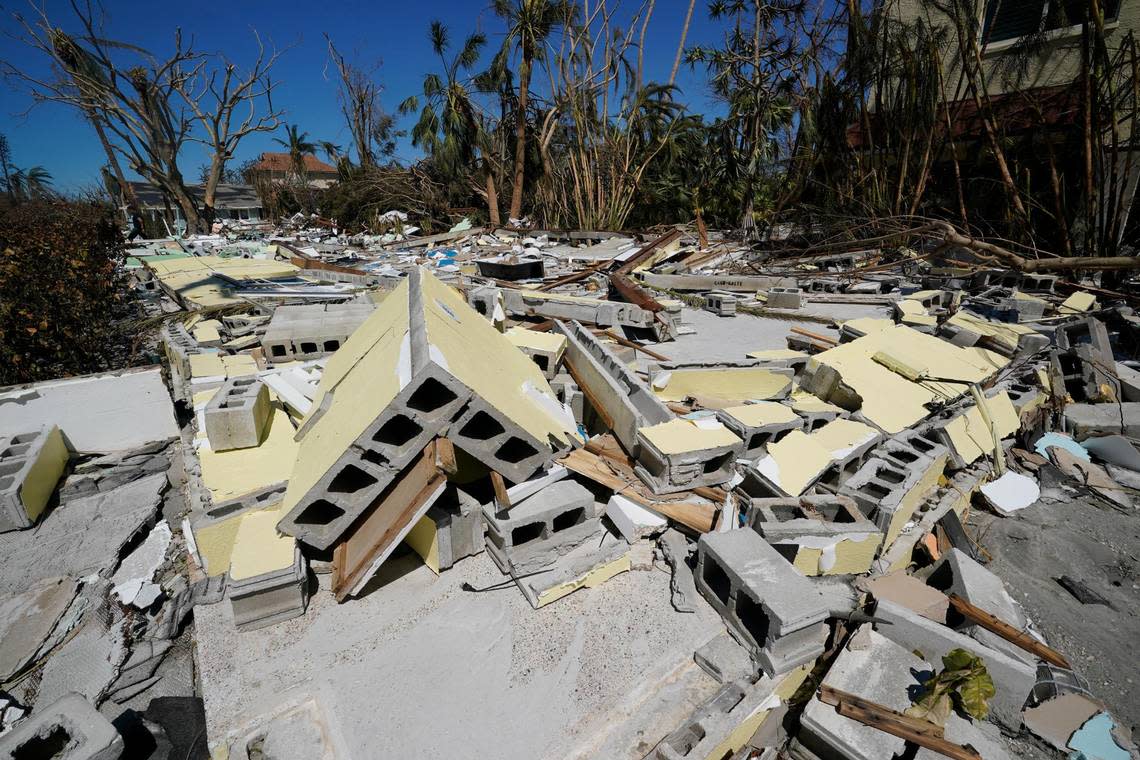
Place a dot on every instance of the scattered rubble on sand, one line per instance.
(507, 494)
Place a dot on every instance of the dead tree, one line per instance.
(360, 103)
(225, 106)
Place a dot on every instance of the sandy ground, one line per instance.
(1080, 537)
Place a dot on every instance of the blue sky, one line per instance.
(392, 34)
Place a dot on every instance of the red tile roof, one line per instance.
(281, 162)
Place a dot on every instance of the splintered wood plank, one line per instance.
(385, 523)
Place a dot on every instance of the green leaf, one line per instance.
(934, 707)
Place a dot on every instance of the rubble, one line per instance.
(467, 473)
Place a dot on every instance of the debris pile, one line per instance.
(397, 462)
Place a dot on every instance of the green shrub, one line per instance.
(61, 290)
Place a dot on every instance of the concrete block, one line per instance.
(545, 349)
(603, 313)
(310, 331)
(760, 424)
(680, 455)
(271, 597)
(532, 533)
(849, 443)
(31, 464)
(455, 376)
(1013, 679)
(632, 520)
(1084, 354)
(889, 494)
(819, 535)
(959, 573)
(1129, 379)
(1087, 420)
(766, 603)
(723, 724)
(873, 667)
(725, 660)
(237, 415)
(68, 729)
(785, 298)
(452, 528)
(912, 447)
(721, 303)
(619, 395)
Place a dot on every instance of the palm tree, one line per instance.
(529, 24)
(298, 145)
(332, 151)
(449, 126)
(33, 182)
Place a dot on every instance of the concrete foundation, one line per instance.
(31, 465)
(766, 603)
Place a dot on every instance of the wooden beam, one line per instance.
(502, 499)
(815, 336)
(648, 250)
(699, 517)
(581, 274)
(622, 341)
(634, 294)
(916, 731)
(445, 456)
(375, 534)
(1013, 635)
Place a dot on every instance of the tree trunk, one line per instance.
(492, 197)
(217, 167)
(702, 229)
(641, 42)
(520, 136)
(681, 44)
(126, 189)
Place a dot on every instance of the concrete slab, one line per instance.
(545, 683)
(97, 413)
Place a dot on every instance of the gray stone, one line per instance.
(67, 729)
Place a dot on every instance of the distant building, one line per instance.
(230, 202)
(278, 167)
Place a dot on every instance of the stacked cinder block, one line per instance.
(237, 415)
(31, 465)
(679, 455)
(621, 395)
(889, 494)
(311, 331)
(423, 366)
(721, 303)
(767, 604)
(760, 424)
(68, 729)
(179, 346)
(820, 535)
(912, 448)
(850, 444)
(1087, 364)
